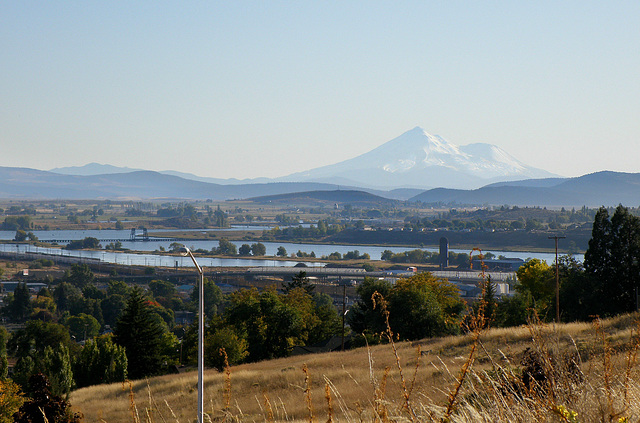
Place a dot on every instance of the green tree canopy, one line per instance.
(79, 275)
(83, 326)
(244, 250)
(612, 260)
(225, 248)
(36, 336)
(537, 279)
(100, 361)
(420, 306)
(162, 288)
(212, 297)
(19, 305)
(142, 335)
(270, 326)
(258, 249)
(224, 338)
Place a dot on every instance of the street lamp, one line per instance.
(187, 252)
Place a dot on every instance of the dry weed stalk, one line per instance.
(132, 403)
(267, 405)
(415, 370)
(327, 395)
(227, 380)
(339, 398)
(307, 392)
(44, 416)
(476, 324)
(608, 374)
(377, 298)
(171, 410)
(380, 403)
(537, 330)
(632, 355)
(606, 361)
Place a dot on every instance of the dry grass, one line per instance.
(373, 384)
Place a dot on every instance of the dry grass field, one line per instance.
(589, 373)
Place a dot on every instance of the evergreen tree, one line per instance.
(625, 252)
(579, 295)
(80, 275)
(299, 280)
(489, 300)
(112, 307)
(19, 306)
(4, 364)
(142, 335)
(100, 361)
(597, 258)
(57, 367)
(612, 261)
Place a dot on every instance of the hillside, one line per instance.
(592, 190)
(363, 383)
(317, 198)
(24, 183)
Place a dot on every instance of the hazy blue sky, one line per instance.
(266, 88)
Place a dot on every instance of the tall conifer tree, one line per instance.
(141, 334)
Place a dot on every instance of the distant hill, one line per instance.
(533, 183)
(93, 169)
(359, 198)
(37, 184)
(141, 184)
(593, 190)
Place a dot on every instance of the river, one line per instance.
(150, 259)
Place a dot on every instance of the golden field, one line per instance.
(417, 382)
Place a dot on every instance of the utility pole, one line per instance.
(556, 238)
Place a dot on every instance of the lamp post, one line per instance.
(187, 252)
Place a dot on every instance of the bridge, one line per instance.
(458, 275)
(137, 239)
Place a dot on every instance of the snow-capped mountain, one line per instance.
(421, 160)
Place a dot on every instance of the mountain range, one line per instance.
(405, 168)
(415, 159)
(593, 190)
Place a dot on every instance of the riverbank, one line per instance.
(577, 240)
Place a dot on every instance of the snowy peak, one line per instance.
(418, 149)
(419, 159)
